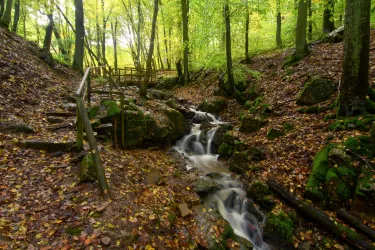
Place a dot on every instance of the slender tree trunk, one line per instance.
(158, 49)
(228, 47)
(16, 15)
(301, 44)
(114, 38)
(185, 34)
(60, 43)
(7, 16)
(354, 84)
(143, 89)
(48, 35)
(24, 14)
(309, 5)
(80, 36)
(139, 35)
(247, 24)
(278, 25)
(104, 26)
(165, 40)
(328, 22)
(2, 7)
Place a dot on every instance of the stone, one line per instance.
(204, 185)
(225, 151)
(250, 123)
(218, 137)
(256, 154)
(106, 241)
(278, 231)
(274, 133)
(335, 36)
(339, 157)
(18, 127)
(317, 89)
(87, 169)
(48, 146)
(184, 210)
(213, 105)
(238, 163)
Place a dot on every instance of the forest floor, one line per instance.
(43, 205)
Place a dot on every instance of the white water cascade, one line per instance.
(231, 201)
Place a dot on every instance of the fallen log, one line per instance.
(314, 214)
(352, 220)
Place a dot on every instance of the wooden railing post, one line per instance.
(103, 185)
(110, 80)
(122, 123)
(79, 144)
(89, 89)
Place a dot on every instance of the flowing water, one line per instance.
(231, 201)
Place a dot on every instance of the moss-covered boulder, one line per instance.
(361, 123)
(218, 137)
(107, 109)
(87, 169)
(213, 104)
(262, 195)
(225, 151)
(317, 89)
(279, 231)
(274, 133)
(362, 145)
(250, 123)
(364, 201)
(238, 163)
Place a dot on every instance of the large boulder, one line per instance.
(251, 123)
(154, 124)
(87, 169)
(317, 89)
(213, 104)
(278, 231)
(238, 163)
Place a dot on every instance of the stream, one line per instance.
(230, 199)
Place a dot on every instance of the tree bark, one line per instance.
(138, 63)
(7, 16)
(301, 44)
(328, 22)
(2, 7)
(185, 36)
(247, 25)
(143, 89)
(158, 50)
(48, 35)
(348, 218)
(319, 217)
(228, 47)
(309, 5)
(80, 37)
(114, 38)
(16, 15)
(165, 40)
(60, 43)
(278, 25)
(354, 83)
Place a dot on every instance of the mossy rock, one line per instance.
(112, 108)
(178, 122)
(226, 151)
(279, 231)
(254, 91)
(238, 163)
(274, 133)
(261, 194)
(314, 189)
(250, 123)
(317, 89)
(361, 123)
(213, 105)
(312, 110)
(87, 169)
(364, 201)
(362, 145)
(240, 146)
(229, 138)
(256, 154)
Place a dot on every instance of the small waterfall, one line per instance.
(231, 201)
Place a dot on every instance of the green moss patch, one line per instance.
(362, 145)
(279, 229)
(361, 123)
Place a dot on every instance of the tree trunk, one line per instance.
(185, 35)
(138, 63)
(319, 217)
(143, 89)
(80, 37)
(16, 15)
(247, 24)
(158, 49)
(60, 43)
(301, 45)
(354, 83)
(165, 40)
(228, 47)
(328, 22)
(310, 19)
(104, 26)
(2, 7)
(47, 40)
(24, 14)
(114, 38)
(7, 16)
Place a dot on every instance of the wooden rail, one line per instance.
(83, 122)
(132, 76)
